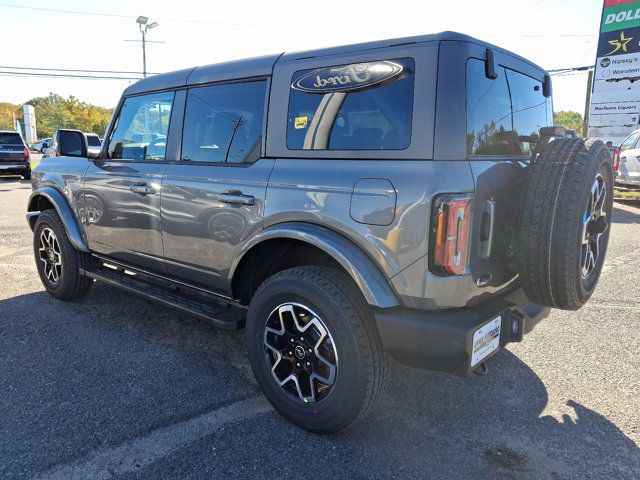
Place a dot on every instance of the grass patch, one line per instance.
(626, 194)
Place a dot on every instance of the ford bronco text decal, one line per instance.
(347, 78)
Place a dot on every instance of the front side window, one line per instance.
(223, 123)
(364, 106)
(503, 113)
(629, 142)
(142, 128)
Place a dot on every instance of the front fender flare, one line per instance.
(368, 277)
(62, 207)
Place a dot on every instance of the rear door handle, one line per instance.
(142, 188)
(238, 198)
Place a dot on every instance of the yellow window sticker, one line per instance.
(300, 122)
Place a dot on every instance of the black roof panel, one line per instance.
(219, 72)
(159, 82)
(263, 66)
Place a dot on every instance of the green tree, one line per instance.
(54, 112)
(568, 119)
(6, 115)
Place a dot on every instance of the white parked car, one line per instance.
(627, 158)
(41, 144)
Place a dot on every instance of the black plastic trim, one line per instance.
(442, 340)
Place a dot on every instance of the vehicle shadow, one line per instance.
(119, 366)
(626, 216)
(24, 184)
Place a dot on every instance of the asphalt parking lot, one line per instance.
(116, 387)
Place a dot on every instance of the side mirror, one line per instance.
(71, 143)
(44, 145)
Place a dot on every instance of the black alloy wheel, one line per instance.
(300, 352)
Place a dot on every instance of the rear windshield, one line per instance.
(93, 140)
(364, 106)
(10, 138)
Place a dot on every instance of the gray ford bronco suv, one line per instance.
(405, 198)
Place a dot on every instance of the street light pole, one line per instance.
(142, 22)
(144, 52)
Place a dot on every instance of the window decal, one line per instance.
(349, 78)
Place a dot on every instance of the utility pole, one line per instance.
(144, 27)
(585, 119)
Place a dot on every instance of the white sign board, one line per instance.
(614, 111)
(29, 124)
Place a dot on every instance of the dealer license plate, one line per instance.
(486, 340)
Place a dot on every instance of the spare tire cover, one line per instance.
(564, 224)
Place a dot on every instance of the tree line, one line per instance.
(54, 112)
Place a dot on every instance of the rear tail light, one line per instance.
(450, 232)
(616, 159)
(27, 154)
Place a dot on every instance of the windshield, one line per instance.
(10, 138)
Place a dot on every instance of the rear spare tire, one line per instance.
(565, 220)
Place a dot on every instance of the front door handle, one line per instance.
(142, 188)
(238, 198)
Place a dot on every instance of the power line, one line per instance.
(164, 19)
(63, 75)
(73, 70)
(237, 24)
(57, 10)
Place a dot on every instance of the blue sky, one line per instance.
(552, 33)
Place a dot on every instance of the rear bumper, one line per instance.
(443, 340)
(13, 168)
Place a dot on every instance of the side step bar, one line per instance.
(225, 317)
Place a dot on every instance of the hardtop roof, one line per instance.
(263, 66)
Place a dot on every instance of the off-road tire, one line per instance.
(550, 231)
(71, 284)
(363, 366)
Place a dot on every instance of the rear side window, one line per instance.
(364, 106)
(531, 110)
(10, 138)
(223, 123)
(502, 113)
(142, 127)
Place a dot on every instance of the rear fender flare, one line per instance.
(367, 276)
(64, 210)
